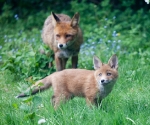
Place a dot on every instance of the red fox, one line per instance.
(64, 36)
(92, 85)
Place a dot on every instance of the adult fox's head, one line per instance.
(65, 32)
(106, 74)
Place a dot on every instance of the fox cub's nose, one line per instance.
(102, 81)
(60, 45)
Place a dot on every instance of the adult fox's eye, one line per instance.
(108, 74)
(100, 74)
(68, 35)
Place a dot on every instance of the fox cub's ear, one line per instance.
(75, 20)
(97, 63)
(113, 62)
(55, 19)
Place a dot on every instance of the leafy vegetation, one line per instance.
(109, 26)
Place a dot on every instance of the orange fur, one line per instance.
(63, 35)
(90, 84)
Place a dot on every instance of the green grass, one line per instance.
(128, 103)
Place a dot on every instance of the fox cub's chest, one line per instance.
(66, 53)
(105, 90)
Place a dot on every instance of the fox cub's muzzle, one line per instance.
(62, 46)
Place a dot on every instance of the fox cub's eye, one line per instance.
(108, 74)
(68, 35)
(100, 74)
(57, 35)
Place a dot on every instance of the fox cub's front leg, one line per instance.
(93, 101)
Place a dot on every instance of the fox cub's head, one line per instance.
(106, 73)
(65, 31)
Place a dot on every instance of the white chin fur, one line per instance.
(104, 83)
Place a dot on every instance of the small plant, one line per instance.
(25, 59)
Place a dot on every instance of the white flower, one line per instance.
(147, 1)
(41, 121)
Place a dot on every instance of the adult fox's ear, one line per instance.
(113, 62)
(75, 20)
(55, 19)
(97, 63)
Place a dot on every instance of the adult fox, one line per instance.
(93, 85)
(63, 35)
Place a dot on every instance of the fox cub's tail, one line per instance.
(39, 86)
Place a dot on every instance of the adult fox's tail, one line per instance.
(39, 86)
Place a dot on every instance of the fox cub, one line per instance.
(63, 35)
(93, 85)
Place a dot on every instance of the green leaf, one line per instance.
(36, 101)
(15, 105)
(25, 107)
(30, 116)
(27, 100)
